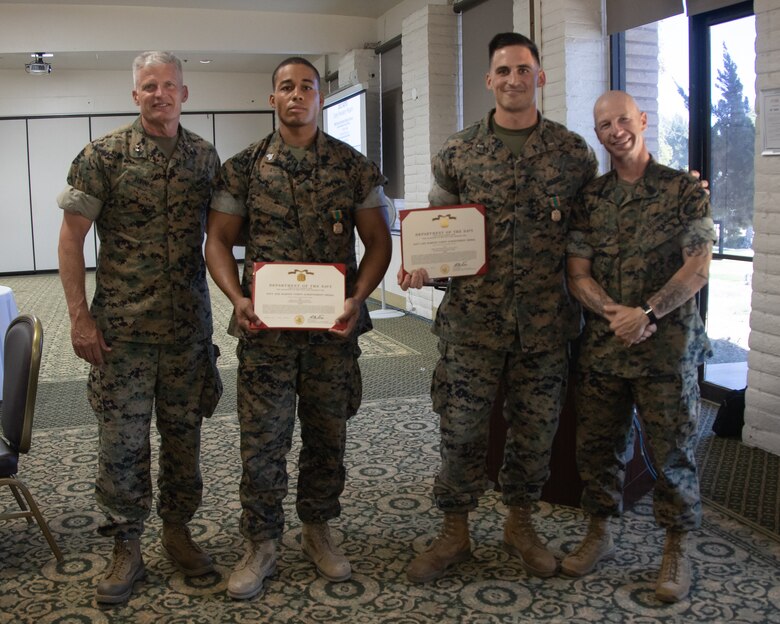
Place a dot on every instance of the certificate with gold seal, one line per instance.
(446, 241)
(298, 295)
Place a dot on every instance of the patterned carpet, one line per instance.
(388, 514)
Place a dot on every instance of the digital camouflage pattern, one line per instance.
(152, 304)
(151, 276)
(635, 239)
(635, 247)
(528, 201)
(291, 208)
(329, 387)
(465, 386)
(514, 322)
(178, 381)
(668, 406)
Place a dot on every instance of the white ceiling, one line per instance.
(358, 8)
(262, 63)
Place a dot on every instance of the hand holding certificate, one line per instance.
(298, 295)
(446, 241)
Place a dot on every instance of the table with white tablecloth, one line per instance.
(8, 313)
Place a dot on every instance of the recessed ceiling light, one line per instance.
(205, 61)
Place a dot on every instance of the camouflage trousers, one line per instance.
(179, 382)
(326, 379)
(465, 384)
(668, 407)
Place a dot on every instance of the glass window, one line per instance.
(712, 127)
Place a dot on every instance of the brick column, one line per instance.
(430, 74)
(762, 417)
(575, 58)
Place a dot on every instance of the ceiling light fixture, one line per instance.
(205, 61)
(38, 65)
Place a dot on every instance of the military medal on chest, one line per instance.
(338, 226)
(555, 214)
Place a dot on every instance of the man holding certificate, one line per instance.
(298, 196)
(513, 323)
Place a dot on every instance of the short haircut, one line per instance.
(294, 60)
(155, 57)
(503, 40)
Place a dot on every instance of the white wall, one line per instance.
(78, 92)
(574, 50)
(762, 412)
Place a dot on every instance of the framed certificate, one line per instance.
(446, 241)
(289, 295)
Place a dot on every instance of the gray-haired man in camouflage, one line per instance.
(147, 188)
(302, 195)
(513, 324)
(640, 249)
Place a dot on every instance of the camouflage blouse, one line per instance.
(151, 276)
(636, 244)
(528, 201)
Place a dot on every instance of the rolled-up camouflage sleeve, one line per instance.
(444, 190)
(579, 227)
(88, 184)
(233, 184)
(223, 201)
(375, 199)
(695, 213)
(78, 202)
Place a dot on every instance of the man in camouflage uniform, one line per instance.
(147, 188)
(302, 194)
(640, 248)
(511, 325)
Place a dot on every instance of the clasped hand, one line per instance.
(629, 324)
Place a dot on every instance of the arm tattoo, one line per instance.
(591, 296)
(697, 247)
(672, 296)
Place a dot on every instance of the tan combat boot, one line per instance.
(318, 547)
(595, 546)
(452, 545)
(674, 578)
(126, 568)
(521, 540)
(186, 554)
(257, 564)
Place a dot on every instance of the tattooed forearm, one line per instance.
(588, 292)
(671, 297)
